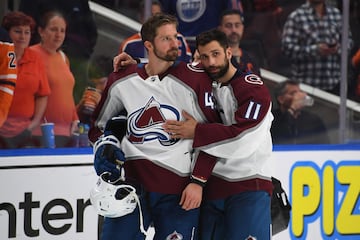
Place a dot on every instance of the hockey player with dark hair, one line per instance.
(237, 196)
(149, 94)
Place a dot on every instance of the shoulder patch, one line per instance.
(196, 67)
(253, 79)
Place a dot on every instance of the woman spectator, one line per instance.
(61, 108)
(32, 87)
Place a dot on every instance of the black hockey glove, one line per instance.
(108, 154)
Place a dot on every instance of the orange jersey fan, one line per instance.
(7, 78)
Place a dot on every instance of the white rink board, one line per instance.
(38, 184)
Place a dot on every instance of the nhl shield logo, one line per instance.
(174, 236)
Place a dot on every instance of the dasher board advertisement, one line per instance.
(45, 192)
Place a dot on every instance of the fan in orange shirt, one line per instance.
(32, 88)
(61, 109)
(7, 76)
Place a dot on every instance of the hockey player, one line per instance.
(149, 94)
(134, 46)
(8, 74)
(238, 194)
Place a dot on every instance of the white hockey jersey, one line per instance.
(160, 163)
(243, 144)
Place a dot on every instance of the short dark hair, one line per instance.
(17, 18)
(280, 88)
(232, 12)
(149, 28)
(212, 35)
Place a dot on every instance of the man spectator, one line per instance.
(231, 23)
(293, 124)
(311, 39)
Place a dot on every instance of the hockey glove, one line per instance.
(116, 126)
(108, 156)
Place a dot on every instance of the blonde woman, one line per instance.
(61, 108)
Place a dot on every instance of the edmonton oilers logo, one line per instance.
(190, 10)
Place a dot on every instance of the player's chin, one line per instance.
(173, 53)
(171, 57)
(213, 73)
(213, 70)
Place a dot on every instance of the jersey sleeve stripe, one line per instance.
(7, 90)
(8, 76)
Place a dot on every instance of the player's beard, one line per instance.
(222, 70)
(170, 56)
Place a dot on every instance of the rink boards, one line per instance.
(45, 193)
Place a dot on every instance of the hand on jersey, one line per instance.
(108, 158)
(181, 129)
(191, 196)
(122, 60)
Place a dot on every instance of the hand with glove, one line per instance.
(108, 154)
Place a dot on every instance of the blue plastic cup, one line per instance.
(48, 137)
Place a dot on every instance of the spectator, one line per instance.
(135, 47)
(311, 39)
(197, 16)
(231, 23)
(61, 108)
(293, 124)
(32, 90)
(8, 73)
(81, 33)
(99, 70)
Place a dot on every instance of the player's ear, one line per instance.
(228, 53)
(148, 45)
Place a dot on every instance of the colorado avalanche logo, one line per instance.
(146, 123)
(253, 79)
(190, 10)
(196, 67)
